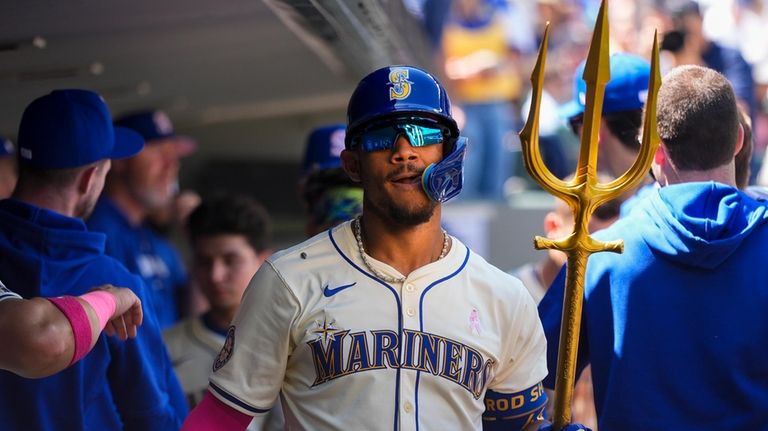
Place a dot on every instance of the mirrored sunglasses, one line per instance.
(384, 137)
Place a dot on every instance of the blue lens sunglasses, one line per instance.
(384, 137)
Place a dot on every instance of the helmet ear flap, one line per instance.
(442, 181)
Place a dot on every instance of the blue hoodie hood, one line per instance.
(699, 224)
(46, 253)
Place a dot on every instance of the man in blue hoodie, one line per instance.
(673, 327)
(66, 143)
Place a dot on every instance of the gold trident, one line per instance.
(583, 193)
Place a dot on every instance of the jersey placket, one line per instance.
(409, 296)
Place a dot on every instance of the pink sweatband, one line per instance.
(78, 320)
(213, 414)
(103, 303)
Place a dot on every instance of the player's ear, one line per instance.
(739, 140)
(660, 155)
(350, 161)
(552, 223)
(86, 179)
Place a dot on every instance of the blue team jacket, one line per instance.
(118, 385)
(676, 326)
(146, 253)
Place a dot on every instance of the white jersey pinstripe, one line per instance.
(349, 351)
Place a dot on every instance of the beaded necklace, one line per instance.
(389, 279)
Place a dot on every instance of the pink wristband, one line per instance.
(78, 320)
(213, 414)
(103, 303)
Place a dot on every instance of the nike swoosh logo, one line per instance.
(328, 292)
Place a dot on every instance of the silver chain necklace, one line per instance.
(389, 279)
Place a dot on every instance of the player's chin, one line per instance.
(411, 213)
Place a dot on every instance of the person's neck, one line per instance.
(132, 209)
(221, 318)
(626, 158)
(689, 55)
(57, 200)
(721, 174)
(405, 248)
(547, 270)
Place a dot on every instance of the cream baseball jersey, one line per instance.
(349, 351)
(193, 348)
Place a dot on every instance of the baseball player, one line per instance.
(386, 321)
(229, 235)
(329, 196)
(43, 336)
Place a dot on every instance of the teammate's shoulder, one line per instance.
(179, 328)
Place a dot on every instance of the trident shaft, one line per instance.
(584, 193)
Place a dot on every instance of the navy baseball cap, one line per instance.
(72, 128)
(155, 126)
(323, 149)
(626, 91)
(6, 147)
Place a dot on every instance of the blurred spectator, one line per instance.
(555, 140)
(8, 173)
(481, 63)
(689, 45)
(740, 24)
(619, 132)
(170, 223)
(558, 223)
(328, 194)
(538, 276)
(137, 187)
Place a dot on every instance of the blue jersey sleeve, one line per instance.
(551, 315)
(145, 388)
(510, 412)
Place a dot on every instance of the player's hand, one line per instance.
(569, 427)
(128, 314)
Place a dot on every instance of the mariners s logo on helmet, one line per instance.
(400, 86)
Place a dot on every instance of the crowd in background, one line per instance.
(485, 51)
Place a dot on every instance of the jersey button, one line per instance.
(410, 311)
(410, 288)
(408, 407)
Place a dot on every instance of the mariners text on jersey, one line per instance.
(338, 353)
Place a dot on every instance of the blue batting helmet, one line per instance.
(398, 92)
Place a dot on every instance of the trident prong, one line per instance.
(583, 193)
